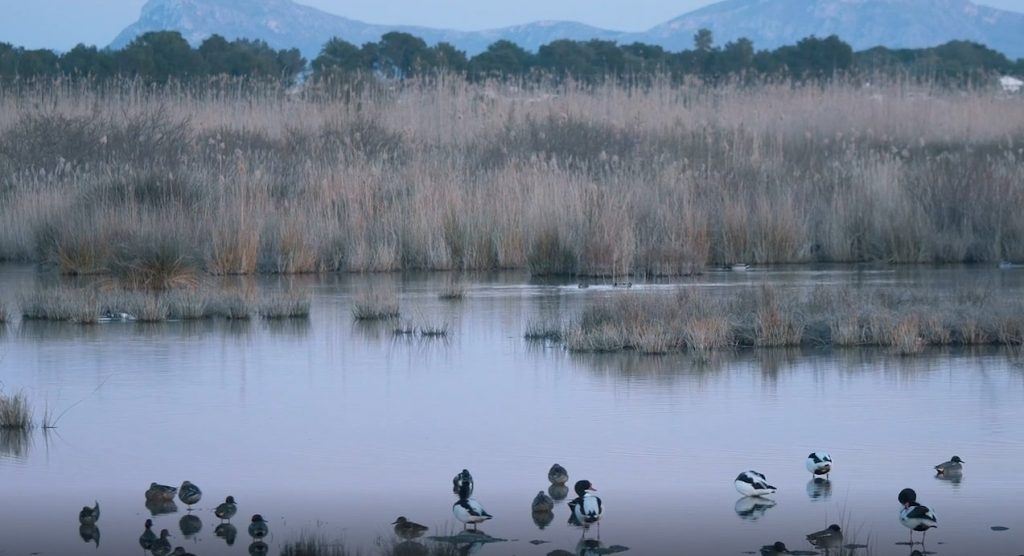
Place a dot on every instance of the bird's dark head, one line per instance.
(956, 459)
(230, 499)
(149, 523)
(401, 519)
(257, 518)
(583, 486)
(780, 546)
(164, 533)
(834, 527)
(907, 496)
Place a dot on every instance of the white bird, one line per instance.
(752, 483)
(914, 516)
(586, 507)
(819, 463)
(468, 510)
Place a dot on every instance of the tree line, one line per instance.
(165, 55)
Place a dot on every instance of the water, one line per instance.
(335, 428)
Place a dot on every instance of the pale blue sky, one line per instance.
(63, 23)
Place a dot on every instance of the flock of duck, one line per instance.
(585, 510)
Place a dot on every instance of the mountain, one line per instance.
(862, 23)
(769, 23)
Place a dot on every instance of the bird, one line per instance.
(160, 493)
(467, 509)
(819, 463)
(622, 284)
(147, 537)
(161, 546)
(831, 537)
(89, 516)
(180, 551)
(258, 528)
(586, 507)
(773, 549)
(226, 509)
(558, 475)
(542, 503)
(463, 479)
(189, 494)
(915, 516)
(740, 267)
(954, 465)
(408, 529)
(752, 483)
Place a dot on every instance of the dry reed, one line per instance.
(15, 412)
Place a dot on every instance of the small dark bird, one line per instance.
(162, 546)
(160, 493)
(189, 494)
(147, 537)
(89, 516)
(408, 529)
(226, 509)
(463, 481)
(558, 475)
(954, 465)
(542, 503)
(774, 549)
(258, 529)
(829, 538)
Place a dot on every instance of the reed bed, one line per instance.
(544, 330)
(376, 304)
(157, 186)
(701, 322)
(15, 412)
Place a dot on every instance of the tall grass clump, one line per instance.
(284, 305)
(453, 291)
(544, 330)
(375, 304)
(15, 412)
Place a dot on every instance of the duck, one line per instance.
(542, 503)
(739, 267)
(189, 494)
(583, 285)
(89, 516)
(161, 546)
(147, 537)
(752, 483)
(819, 463)
(915, 516)
(226, 509)
(160, 493)
(558, 475)
(258, 528)
(180, 551)
(408, 529)
(463, 479)
(954, 465)
(828, 538)
(622, 284)
(468, 510)
(586, 507)
(776, 548)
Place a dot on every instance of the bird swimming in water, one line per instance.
(915, 516)
(147, 537)
(558, 475)
(408, 529)
(226, 509)
(463, 481)
(542, 503)
(189, 494)
(467, 510)
(161, 546)
(89, 516)
(160, 493)
(752, 483)
(819, 463)
(180, 551)
(586, 507)
(828, 538)
(954, 465)
(258, 528)
(774, 549)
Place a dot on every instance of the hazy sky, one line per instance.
(63, 23)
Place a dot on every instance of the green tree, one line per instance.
(338, 57)
(703, 41)
(160, 56)
(503, 58)
(403, 55)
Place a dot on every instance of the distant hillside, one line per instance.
(769, 23)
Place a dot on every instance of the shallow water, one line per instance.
(333, 427)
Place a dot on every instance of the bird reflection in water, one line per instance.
(161, 507)
(90, 534)
(228, 532)
(543, 519)
(952, 477)
(410, 548)
(753, 508)
(190, 525)
(590, 547)
(258, 548)
(819, 488)
(558, 491)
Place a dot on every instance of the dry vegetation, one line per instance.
(701, 322)
(155, 187)
(15, 412)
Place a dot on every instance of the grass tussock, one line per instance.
(702, 321)
(285, 305)
(375, 304)
(155, 186)
(15, 412)
(453, 291)
(544, 330)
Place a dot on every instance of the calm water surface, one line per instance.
(335, 428)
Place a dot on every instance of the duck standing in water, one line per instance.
(954, 466)
(226, 509)
(160, 493)
(586, 507)
(463, 481)
(408, 529)
(189, 494)
(468, 510)
(558, 475)
(914, 516)
(828, 539)
(542, 503)
(819, 463)
(752, 483)
(258, 529)
(89, 516)
(148, 537)
(161, 546)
